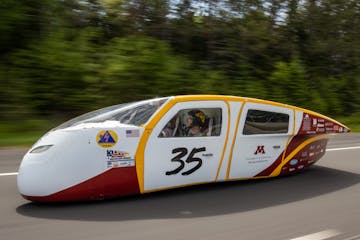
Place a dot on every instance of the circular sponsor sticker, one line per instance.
(293, 162)
(106, 138)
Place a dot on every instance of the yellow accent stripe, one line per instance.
(139, 157)
(173, 187)
(294, 123)
(292, 135)
(226, 141)
(277, 171)
(233, 141)
(187, 98)
(248, 178)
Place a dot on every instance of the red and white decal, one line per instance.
(113, 183)
(312, 124)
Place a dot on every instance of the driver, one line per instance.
(196, 123)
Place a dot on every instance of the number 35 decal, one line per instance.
(178, 158)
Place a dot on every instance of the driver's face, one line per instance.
(189, 121)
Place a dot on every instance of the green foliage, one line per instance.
(19, 23)
(139, 67)
(352, 121)
(52, 72)
(288, 84)
(62, 58)
(24, 132)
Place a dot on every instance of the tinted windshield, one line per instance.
(136, 113)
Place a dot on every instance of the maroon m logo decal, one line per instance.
(260, 149)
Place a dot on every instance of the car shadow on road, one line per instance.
(203, 200)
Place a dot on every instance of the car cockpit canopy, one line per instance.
(135, 113)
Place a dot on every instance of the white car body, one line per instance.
(100, 157)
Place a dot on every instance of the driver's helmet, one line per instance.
(199, 118)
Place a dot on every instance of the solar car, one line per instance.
(172, 142)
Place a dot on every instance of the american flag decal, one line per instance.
(132, 133)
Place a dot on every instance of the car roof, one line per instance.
(185, 98)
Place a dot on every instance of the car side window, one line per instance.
(265, 122)
(195, 122)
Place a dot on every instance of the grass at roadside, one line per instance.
(23, 133)
(26, 133)
(353, 122)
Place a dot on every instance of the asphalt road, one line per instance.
(321, 203)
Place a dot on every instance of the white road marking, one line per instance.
(353, 237)
(339, 149)
(319, 235)
(8, 174)
(186, 212)
(328, 150)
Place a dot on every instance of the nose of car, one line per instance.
(39, 173)
(34, 178)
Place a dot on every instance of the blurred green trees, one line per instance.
(62, 58)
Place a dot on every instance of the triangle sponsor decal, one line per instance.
(106, 138)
